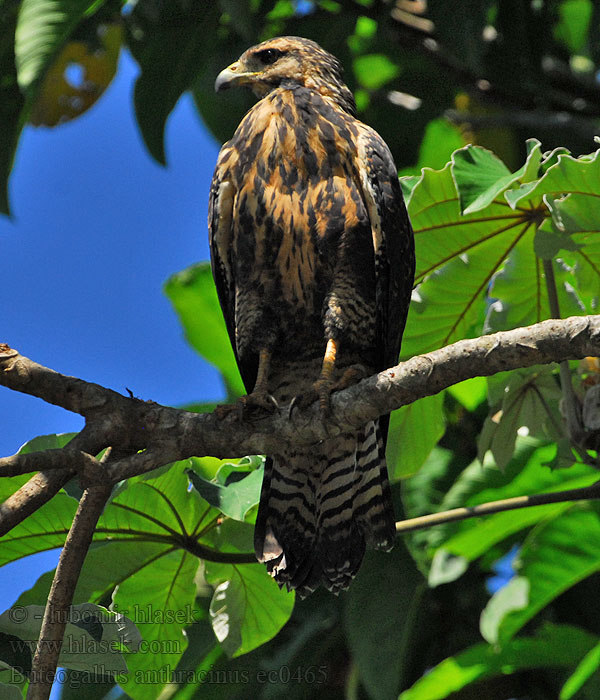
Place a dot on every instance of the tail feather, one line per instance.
(320, 508)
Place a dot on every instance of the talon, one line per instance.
(291, 407)
(301, 401)
(259, 399)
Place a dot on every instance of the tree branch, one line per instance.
(60, 598)
(168, 434)
(144, 435)
(43, 486)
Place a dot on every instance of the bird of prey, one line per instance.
(313, 258)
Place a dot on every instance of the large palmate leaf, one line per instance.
(234, 490)
(247, 608)
(47, 527)
(414, 431)
(193, 294)
(475, 227)
(554, 646)
(160, 599)
(94, 640)
(379, 636)
(555, 556)
(526, 474)
(458, 254)
(42, 28)
(529, 398)
(11, 99)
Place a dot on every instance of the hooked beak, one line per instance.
(230, 77)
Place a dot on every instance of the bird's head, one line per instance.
(288, 61)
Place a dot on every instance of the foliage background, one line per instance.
(491, 73)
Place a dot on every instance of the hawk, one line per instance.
(313, 258)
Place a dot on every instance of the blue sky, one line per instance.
(97, 229)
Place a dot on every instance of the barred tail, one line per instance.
(319, 508)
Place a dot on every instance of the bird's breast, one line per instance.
(296, 193)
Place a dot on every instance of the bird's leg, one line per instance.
(260, 396)
(325, 384)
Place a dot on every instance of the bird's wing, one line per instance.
(220, 232)
(393, 242)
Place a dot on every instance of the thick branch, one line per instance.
(169, 434)
(31, 496)
(60, 598)
(43, 486)
(59, 458)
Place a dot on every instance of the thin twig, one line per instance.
(570, 403)
(540, 499)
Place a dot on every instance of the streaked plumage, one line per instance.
(310, 243)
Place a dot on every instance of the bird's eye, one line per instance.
(269, 56)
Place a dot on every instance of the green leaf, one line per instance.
(94, 637)
(513, 596)
(479, 176)
(160, 507)
(42, 28)
(105, 567)
(554, 646)
(446, 567)
(379, 634)
(414, 431)
(11, 100)
(15, 659)
(585, 670)
(48, 526)
(470, 393)
(568, 174)
(526, 474)
(10, 692)
(554, 557)
(530, 399)
(548, 241)
(235, 498)
(572, 29)
(247, 608)
(423, 492)
(163, 38)
(221, 113)
(457, 257)
(374, 70)
(194, 297)
(521, 295)
(160, 599)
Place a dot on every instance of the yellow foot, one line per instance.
(322, 389)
